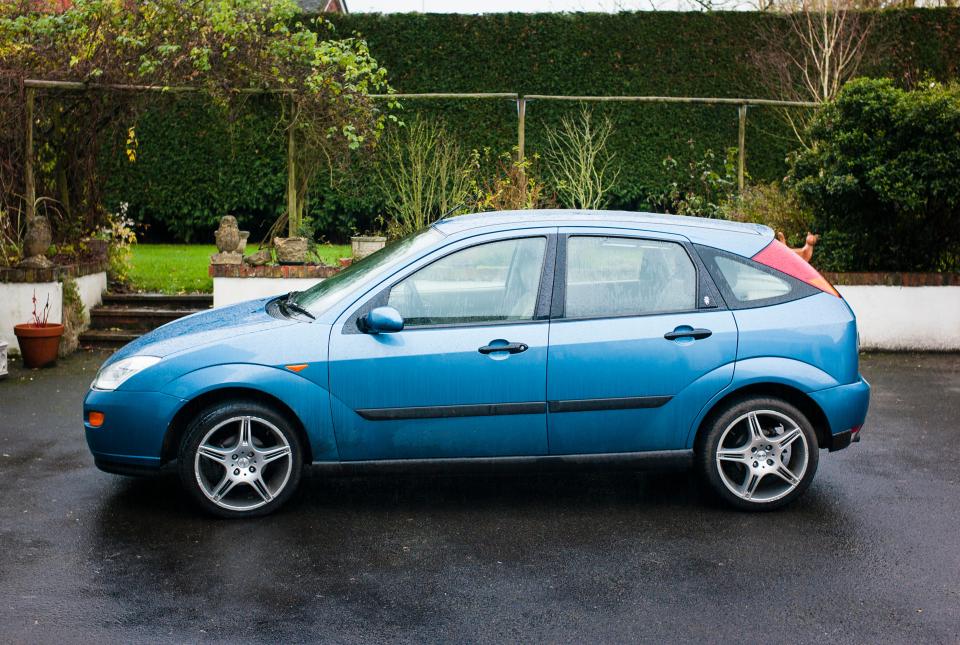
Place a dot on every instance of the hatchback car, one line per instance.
(550, 337)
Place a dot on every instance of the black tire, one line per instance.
(746, 456)
(264, 490)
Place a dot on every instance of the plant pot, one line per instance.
(291, 250)
(364, 245)
(38, 345)
(242, 245)
(345, 262)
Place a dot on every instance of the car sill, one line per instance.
(647, 460)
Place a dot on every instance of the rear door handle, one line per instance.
(510, 348)
(695, 334)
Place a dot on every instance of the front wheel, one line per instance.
(241, 459)
(759, 454)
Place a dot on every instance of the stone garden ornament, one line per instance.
(230, 242)
(36, 242)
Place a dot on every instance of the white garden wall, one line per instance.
(905, 318)
(228, 291)
(16, 304)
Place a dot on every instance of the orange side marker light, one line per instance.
(297, 368)
(96, 419)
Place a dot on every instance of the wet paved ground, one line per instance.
(870, 554)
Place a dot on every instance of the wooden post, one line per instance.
(293, 214)
(30, 189)
(742, 146)
(521, 127)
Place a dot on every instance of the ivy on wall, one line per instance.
(195, 164)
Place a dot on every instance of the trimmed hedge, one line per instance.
(190, 171)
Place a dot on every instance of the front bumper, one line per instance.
(845, 407)
(130, 440)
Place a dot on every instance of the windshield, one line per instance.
(322, 295)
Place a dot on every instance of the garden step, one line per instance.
(106, 338)
(194, 301)
(133, 318)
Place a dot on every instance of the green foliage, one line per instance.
(118, 230)
(222, 164)
(884, 171)
(700, 187)
(642, 53)
(226, 49)
(773, 206)
(503, 182)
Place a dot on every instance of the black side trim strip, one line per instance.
(448, 411)
(622, 403)
(654, 460)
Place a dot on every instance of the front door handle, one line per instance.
(510, 348)
(696, 334)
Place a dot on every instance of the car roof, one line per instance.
(738, 237)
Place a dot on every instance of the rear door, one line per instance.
(639, 342)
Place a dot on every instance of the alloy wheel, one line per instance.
(762, 456)
(243, 463)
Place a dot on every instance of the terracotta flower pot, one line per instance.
(38, 345)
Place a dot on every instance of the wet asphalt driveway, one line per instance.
(870, 554)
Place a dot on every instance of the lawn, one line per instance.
(182, 268)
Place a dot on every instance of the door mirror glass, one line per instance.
(382, 320)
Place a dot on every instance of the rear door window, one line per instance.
(622, 276)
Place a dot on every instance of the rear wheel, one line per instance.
(241, 459)
(759, 453)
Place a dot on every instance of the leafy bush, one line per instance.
(506, 183)
(882, 177)
(773, 206)
(696, 186)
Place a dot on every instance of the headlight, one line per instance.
(111, 376)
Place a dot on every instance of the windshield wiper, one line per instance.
(290, 304)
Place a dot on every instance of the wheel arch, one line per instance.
(187, 412)
(792, 395)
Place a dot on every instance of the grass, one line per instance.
(182, 268)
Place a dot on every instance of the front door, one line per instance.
(466, 377)
(638, 344)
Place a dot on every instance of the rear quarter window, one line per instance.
(745, 283)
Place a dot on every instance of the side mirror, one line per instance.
(382, 320)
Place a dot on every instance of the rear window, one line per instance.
(746, 284)
(750, 283)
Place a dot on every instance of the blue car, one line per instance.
(544, 337)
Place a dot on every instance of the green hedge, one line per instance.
(192, 168)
